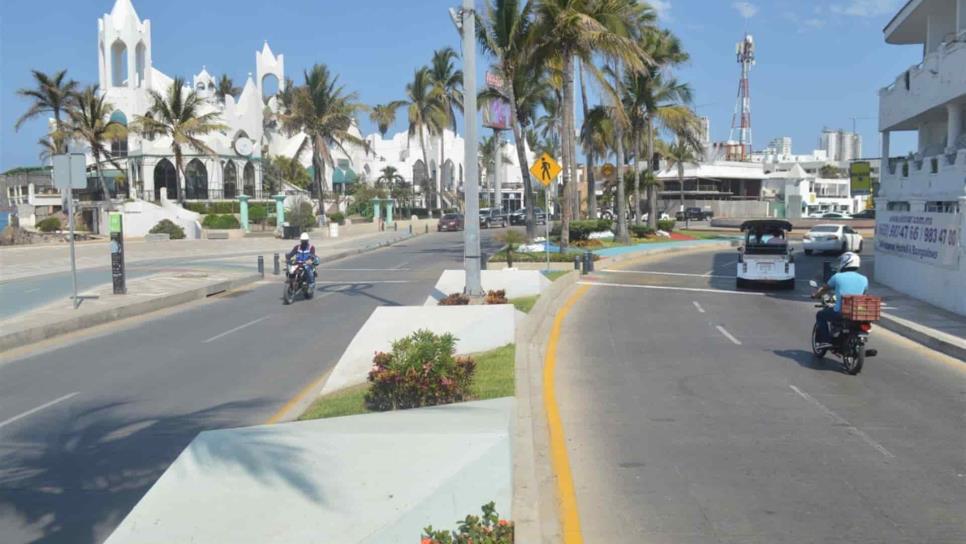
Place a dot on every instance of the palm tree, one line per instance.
(324, 111)
(582, 29)
(384, 115)
(90, 122)
(226, 87)
(426, 114)
(389, 176)
(47, 149)
(178, 116)
(448, 81)
(596, 139)
(52, 94)
(682, 153)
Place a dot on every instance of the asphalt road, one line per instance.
(694, 414)
(88, 426)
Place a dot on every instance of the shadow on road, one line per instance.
(76, 485)
(807, 359)
(355, 289)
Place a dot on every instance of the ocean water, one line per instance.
(4, 219)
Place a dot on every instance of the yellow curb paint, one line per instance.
(294, 401)
(567, 497)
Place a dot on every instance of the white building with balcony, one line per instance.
(921, 204)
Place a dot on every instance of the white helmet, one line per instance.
(849, 260)
(304, 237)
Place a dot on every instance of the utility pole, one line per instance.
(466, 22)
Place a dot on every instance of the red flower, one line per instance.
(503, 523)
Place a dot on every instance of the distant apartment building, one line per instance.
(781, 146)
(841, 145)
(921, 203)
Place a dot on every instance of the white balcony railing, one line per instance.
(935, 177)
(939, 78)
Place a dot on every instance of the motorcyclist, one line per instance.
(847, 281)
(304, 252)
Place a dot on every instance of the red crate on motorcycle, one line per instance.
(861, 307)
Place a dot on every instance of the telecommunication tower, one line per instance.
(740, 147)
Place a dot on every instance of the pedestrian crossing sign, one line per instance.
(545, 169)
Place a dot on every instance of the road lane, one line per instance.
(678, 434)
(69, 473)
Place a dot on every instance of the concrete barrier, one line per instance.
(159, 237)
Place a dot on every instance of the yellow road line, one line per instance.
(567, 497)
(292, 402)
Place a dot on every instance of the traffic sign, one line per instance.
(70, 171)
(607, 170)
(545, 169)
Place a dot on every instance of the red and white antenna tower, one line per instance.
(740, 147)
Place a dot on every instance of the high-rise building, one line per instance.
(782, 146)
(841, 145)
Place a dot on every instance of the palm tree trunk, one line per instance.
(317, 176)
(652, 188)
(520, 142)
(591, 182)
(568, 150)
(442, 159)
(428, 183)
(179, 173)
(100, 175)
(637, 177)
(621, 189)
(681, 182)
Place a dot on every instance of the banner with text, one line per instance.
(931, 238)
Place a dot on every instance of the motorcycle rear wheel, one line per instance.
(817, 351)
(854, 358)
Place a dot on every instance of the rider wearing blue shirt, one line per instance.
(304, 252)
(848, 281)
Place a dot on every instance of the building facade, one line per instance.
(921, 203)
(841, 145)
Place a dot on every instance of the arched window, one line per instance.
(448, 175)
(118, 64)
(139, 64)
(420, 176)
(269, 86)
(149, 136)
(119, 145)
(248, 179)
(231, 180)
(196, 181)
(165, 176)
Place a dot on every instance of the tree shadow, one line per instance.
(351, 289)
(74, 480)
(806, 359)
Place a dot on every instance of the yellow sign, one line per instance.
(860, 174)
(545, 169)
(607, 170)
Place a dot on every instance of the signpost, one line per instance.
(70, 172)
(860, 176)
(546, 169)
(117, 253)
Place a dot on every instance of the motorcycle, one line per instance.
(849, 338)
(295, 283)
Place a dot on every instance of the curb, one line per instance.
(929, 338)
(74, 324)
(663, 251)
(534, 506)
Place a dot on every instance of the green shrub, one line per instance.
(666, 225)
(272, 221)
(301, 216)
(581, 230)
(337, 217)
(166, 226)
(197, 207)
(216, 221)
(454, 299)
(537, 257)
(51, 224)
(488, 529)
(421, 370)
(641, 231)
(229, 206)
(257, 213)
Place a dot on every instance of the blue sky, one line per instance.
(819, 62)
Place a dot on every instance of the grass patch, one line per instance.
(554, 275)
(493, 379)
(347, 402)
(494, 373)
(524, 304)
(704, 235)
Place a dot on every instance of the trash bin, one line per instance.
(289, 232)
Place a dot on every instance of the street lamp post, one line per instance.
(471, 231)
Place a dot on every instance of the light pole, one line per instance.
(465, 20)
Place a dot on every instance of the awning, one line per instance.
(344, 175)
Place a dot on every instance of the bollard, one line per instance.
(261, 266)
(410, 228)
(589, 260)
(276, 270)
(576, 262)
(395, 226)
(427, 229)
(484, 259)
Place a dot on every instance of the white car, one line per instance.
(766, 258)
(836, 238)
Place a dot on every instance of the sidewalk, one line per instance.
(176, 285)
(922, 322)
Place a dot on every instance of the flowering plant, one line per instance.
(488, 529)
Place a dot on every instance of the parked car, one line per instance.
(450, 221)
(832, 237)
(661, 216)
(694, 214)
(864, 214)
(492, 217)
(519, 217)
(836, 215)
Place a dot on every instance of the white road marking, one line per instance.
(665, 287)
(236, 329)
(32, 290)
(352, 282)
(728, 335)
(842, 421)
(362, 269)
(666, 273)
(37, 409)
(698, 306)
